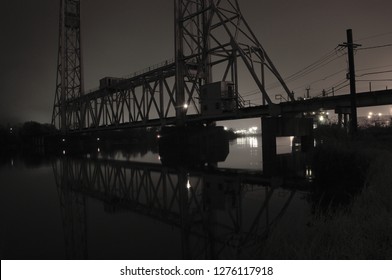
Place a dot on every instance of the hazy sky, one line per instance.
(123, 36)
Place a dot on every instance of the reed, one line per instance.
(361, 229)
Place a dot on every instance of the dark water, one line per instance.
(128, 206)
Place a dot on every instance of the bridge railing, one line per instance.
(139, 72)
(151, 68)
(242, 103)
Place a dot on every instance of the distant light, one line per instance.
(158, 136)
(252, 129)
(98, 150)
(309, 173)
(186, 106)
(63, 140)
(11, 129)
(225, 128)
(188, 184)
(98, 139)
(63, 152)
(379, 114)
(291, 140)
(370, 113)
(369, 117)
(240, 131)
(321, 118)
(159, 157)
(253, 142)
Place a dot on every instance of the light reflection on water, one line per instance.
(124, 205)
(245, 153)
(251, 142)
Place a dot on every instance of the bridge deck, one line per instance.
(364, 99)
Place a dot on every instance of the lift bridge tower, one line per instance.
(69, 82)
(213, 41)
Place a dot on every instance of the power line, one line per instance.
(319, 80)
(374, 36)
(303, 74)
(334, 90)
(257, 91)
(314, 66)
(375, 47)
(319, 63)
(373, 68)
(337, 86)
(376, 80)
(326, 59)
(374, 73)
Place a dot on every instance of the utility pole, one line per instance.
(351, 75)
(308, 92)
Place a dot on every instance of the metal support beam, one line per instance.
(69, 83)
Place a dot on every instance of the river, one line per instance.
(127, 205)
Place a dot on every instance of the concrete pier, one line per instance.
(283, 127)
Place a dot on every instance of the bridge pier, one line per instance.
(193, 145)
(344, 116)
(274, 127)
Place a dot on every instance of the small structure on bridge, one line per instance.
(109, 82)
(217, 98)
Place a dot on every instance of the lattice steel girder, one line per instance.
(212, 39)
(148, 96)
(69, 82)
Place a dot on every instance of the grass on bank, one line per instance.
(363, 228)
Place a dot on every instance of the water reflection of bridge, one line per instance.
(208, 206)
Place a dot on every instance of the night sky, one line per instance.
(123, 36)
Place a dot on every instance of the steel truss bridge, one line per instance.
(213, 45)
(206, 206)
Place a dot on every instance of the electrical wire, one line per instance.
(374, 73)
(312, 65)
(319, 80)
(257, 91)
(374, 36)
(375, 80)
(326, 59)
(374, 47)
(373, 68)
(319, 63)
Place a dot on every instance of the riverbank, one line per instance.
(360, 226)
